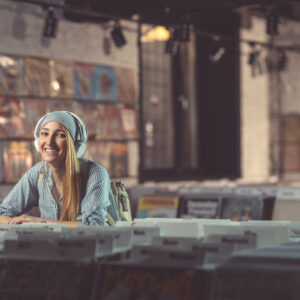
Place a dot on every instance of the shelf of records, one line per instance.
(17, 156)
(152, 258)
(43, 77)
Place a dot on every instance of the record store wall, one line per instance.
(71, 71)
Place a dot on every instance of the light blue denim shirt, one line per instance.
(96, 195)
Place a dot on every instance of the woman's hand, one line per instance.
(25, 218)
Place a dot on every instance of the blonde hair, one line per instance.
(71, 182)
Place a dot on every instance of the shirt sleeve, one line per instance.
(23, 196)
(95, 202)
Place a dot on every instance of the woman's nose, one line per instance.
(51, 139)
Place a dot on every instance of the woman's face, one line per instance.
(53, 144)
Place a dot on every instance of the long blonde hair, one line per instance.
(71, 182)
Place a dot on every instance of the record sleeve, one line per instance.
(128, 122)
(11, 75)
(104, 84)
(12, 117)
(127, 85)
(34, 109)
(83, 80)
(88, 112)
(37, 77)
(157, 206)
(53, 105)
(118, 160)
(61, 79)
(99, 152)
(108, 119)
(17, 159)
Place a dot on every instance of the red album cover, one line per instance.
(127, 85)
(17, 159)
(88, 112)
(34, 109)
(99, 152)
(108, 120)
(37, 77)
(118, 160)
(12, 117)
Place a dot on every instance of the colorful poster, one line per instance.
(61, 79)
(11, 75)
(83, 79)
(12, 117)
(157, 207)
(37, 77)
(104, 84)
(108, 118)
(17, 159)
(127, 85)
(118, 160)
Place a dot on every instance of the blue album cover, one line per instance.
(104, 84)
(83, 76)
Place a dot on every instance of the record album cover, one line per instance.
(118, 160)
(61, 79)
(17, 159)
(127, 85)
(11, 75)
(108, 119)
(83, 79)
(37, 77)
(104, 84)
(12, 117)
(128, 122)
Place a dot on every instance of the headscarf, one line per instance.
(73, 124)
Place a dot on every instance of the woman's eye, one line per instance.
(62, 135)
(44, 133)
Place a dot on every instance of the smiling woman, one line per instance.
(67, 188)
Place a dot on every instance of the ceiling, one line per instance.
(177, 11)
(168, 11)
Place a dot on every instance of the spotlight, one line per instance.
(272, 22)
(50, 27)
(118, 36)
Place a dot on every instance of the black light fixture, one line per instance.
(50, 27)
(172, 44)
(272, 22)
(254, 60)
(184, 32)
(118, 36)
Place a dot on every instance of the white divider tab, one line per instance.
(144, 235)
(238, 242)
(174, 243)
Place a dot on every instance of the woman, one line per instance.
(67, 188)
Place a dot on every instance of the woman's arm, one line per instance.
(26, 219)
(4, 219)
